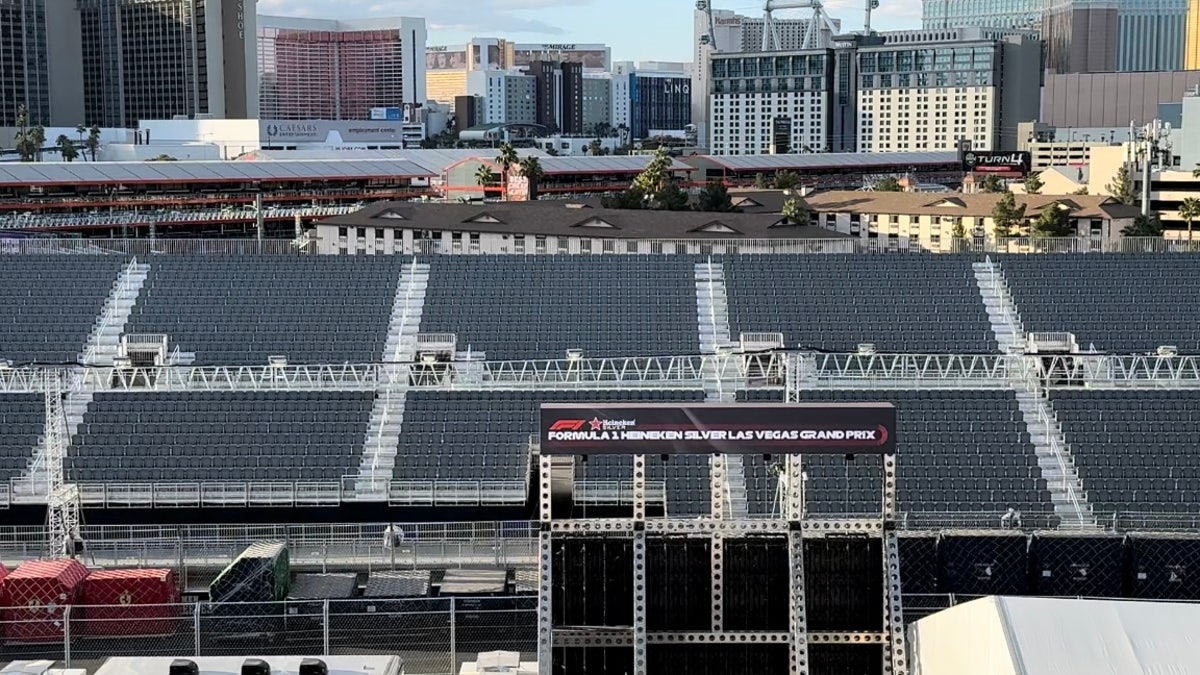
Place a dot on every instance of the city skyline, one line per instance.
(634, 29)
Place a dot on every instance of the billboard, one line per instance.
(995, 162)
(748, 428)
(391, 114)
(445, 58)
(320, 131)
(593, 57)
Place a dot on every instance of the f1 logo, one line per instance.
(568, 425)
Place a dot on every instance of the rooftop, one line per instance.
(559, 218)
(86, 173)
(956, 204)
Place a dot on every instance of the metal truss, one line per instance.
(768, 370)
(895, 653)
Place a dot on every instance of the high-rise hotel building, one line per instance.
(113, 62)
(905, 91)
(339, 69)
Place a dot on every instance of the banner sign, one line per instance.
(995, 162)
(748, 428)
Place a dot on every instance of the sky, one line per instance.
(636, 30)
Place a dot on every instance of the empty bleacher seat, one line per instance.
(1120, 303)
(956, 451)
(451, 436)
(220, 436)
(517, 307)
(240, 310)
(1134, 450)
(898, 302)
(51, 303)
(22, 422)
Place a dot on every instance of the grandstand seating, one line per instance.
(537, 307)
(901, 303)
(484, 436)
(239, 310)
(956, 450)
(169, 436)
(51, 303)
(1118, 303)
(22, 421)
(1135, 450)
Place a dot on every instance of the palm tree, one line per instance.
(1189, 210)
(484, 177)
(531, 169)
(507, 157)
(66, 148)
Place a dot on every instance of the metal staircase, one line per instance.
(1001, 308)
(1054, 455)
(105, 338)
(712, 319)
(1055, 460)
(378, 462)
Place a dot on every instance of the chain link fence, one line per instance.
(433, 636)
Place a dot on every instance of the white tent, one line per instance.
(1058, 636)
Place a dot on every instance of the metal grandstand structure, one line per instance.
(793, 524)
(782, 371)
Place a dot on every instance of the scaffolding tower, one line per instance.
(791, 528)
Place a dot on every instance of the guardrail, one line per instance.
(432, 636)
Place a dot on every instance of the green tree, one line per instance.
(786, 180)
(673, 198)
(1143, 226)
(484, 177)
(506, 158)
(1122, 186)
(715, 197)
(1081, 191)
(93, 141)
(162, 158)
(66, 148)
(26, 147)
(1189, 210)
(655, 176)
(760, 181)
(1033, 184)
(1054, 221)
(595, 148)
(629, 198)
(531, 169)
(1007, 217)
(796, 211)
(991, 184)
(889, 184)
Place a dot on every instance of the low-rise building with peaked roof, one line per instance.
(934, 219)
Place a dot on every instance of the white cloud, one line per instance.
(478, 17)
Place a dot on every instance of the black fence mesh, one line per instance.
(593, 582)
(844, 584)
(1164, 569)
(984, 564)
(845, 659)
(1077, 566)
(756, 583)
(678, 584)
(718, 659)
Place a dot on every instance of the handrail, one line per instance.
(1007, 306)
(110, 312)
(712, 312)
(1049, 430)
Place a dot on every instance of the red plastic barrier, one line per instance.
(37, 593)
(136, 602)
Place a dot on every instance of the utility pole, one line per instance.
(1151, 149)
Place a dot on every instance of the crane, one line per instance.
(62, 499)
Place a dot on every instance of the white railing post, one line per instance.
(67, 636)
(325, 627)
(196, 625)
(453, 635)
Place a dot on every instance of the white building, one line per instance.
(508, 96)
(746, 121)
(731, 33)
